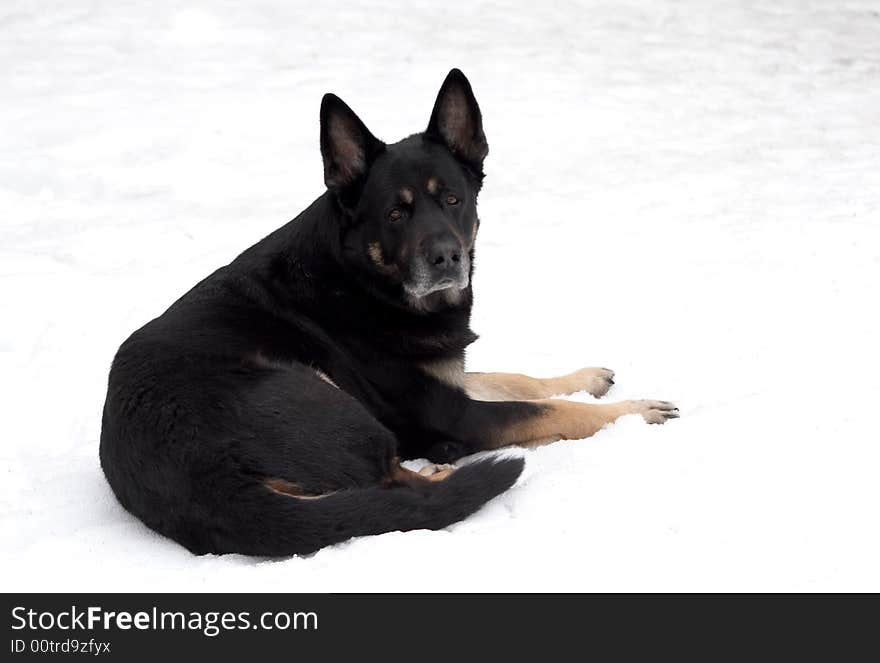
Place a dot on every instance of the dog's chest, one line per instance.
(449, 371)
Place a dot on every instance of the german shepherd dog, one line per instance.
(267, 410)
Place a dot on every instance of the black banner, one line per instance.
(239, 626)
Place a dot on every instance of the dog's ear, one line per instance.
(347, 146)
(456, 121)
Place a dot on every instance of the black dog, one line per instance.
(265, 412)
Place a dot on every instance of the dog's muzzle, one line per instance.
(439, 266)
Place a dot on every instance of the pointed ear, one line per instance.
(456, 121)
(347, 146)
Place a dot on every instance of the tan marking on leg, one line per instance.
(441, 475)
(565, 420)
(402, 475)
(284, 487)
(518, 387)
(433, 185)
(504, 387)
(397, 473)
(434, 472)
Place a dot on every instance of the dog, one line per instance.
(267, 411)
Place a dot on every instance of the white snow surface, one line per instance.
(685, 192)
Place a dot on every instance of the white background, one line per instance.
(686, 192)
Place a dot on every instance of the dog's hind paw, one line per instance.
(435, 472)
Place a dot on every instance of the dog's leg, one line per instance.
(516, 387)
(491, 425)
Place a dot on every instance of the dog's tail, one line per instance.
(272, 524)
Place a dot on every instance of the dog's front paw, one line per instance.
(655, 412)
(596, 381)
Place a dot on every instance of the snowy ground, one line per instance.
(686, 192)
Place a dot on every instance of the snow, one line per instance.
(686, 192)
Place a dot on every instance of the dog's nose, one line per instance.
(444, 254)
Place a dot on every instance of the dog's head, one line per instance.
(410, 207)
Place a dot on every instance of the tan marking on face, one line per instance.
(375, 251)
(406, 195)
(433, 185)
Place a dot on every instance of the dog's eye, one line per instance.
(395, 214)
(451, 200)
